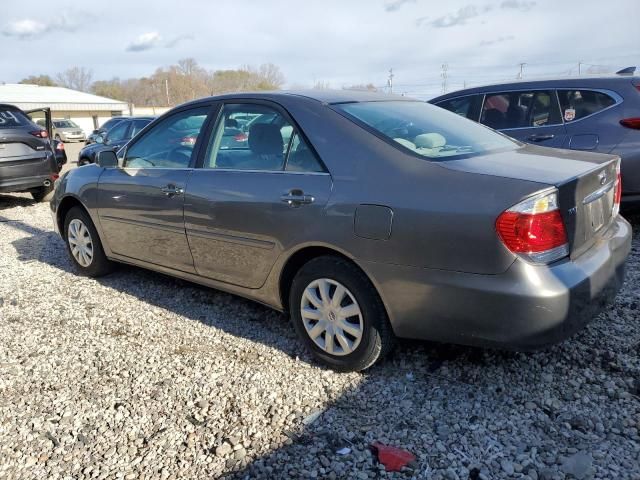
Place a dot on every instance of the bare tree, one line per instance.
(42, 80)
(76, 78)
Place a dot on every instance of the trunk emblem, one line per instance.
(603, 177)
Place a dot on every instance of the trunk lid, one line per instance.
(585, 183)
(22, 154)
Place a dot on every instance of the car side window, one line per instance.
(507, 110)
(249, 137)
(468, 106)
(301, 157)
(118, 132)
(170, 143)
(577, 104)
(137, 126)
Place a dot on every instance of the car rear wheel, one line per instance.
(338, 314)
(41, 194)
(83, 244)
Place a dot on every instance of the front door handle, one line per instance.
(171, 190)
(540, 138)
(295, 198)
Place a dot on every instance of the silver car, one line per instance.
(380, 217)
(66, 130)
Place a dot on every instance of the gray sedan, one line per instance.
(379, 217)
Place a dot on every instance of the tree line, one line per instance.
(168, 86)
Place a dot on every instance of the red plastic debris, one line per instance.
(392, 458)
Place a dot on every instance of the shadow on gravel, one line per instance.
(11, 201)
(461, 410)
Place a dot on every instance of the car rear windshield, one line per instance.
(427, 130)
(10, 118)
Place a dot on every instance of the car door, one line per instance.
(529, 116)
(141, 202)
(251, 199)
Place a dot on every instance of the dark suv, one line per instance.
(599, 114)
(28, 159)
(115, 138)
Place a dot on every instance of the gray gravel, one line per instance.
(138, 375)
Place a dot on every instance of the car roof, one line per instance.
(7, 106)
(591, 81)
(323, 96)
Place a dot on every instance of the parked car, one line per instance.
(596, 113)
(65, 130)
(382, 217)
(28, 160)
(104, 128)
(113, 139)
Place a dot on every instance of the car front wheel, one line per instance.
(83, 244)
(338, 314)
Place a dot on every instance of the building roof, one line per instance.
(57, 98)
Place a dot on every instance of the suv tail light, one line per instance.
(617, 193)
(633, 123)
(534, 230)
(40, 133)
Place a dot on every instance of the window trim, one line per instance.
(269, 104)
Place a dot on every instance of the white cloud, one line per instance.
(28, 28)
(395, 5)
(146, 41)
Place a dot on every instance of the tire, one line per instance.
(94, 264)
(369, 336)
(41, 194)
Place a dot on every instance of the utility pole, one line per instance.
(445, 67)
(390, 80)
(520, 74)
(166, 89)
(579, 67)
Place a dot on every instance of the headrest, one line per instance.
(265, 139)
(430, 140)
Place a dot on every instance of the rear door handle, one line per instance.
(295, 198)
(171, 190)
(540, 138)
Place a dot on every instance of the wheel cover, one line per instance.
(331, 317)
(80, 242)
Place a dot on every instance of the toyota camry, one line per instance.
(366, 217)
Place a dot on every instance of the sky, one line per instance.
(337, 42)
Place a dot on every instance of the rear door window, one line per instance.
(503, 111)
(577, 104)
(467, 107)
(10, 118)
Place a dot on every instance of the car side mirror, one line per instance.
(99, 139)
(107, 159)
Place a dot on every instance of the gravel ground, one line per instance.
(138, 375)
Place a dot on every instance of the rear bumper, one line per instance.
(24, 183)
(526, 307)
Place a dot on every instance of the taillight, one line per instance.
(241, 137)
(633, 123)
(617, 193)
(534, 229)
(60, 146)
(40, 133)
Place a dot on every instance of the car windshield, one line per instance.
(64, 124)
(427, 130)
(13, 118)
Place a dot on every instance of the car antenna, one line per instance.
(626, 71)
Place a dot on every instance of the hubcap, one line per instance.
(331, 316)
(80, 242)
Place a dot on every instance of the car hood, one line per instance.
(550, 166)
